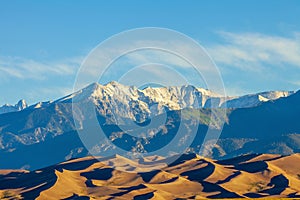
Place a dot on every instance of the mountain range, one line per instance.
(42, 134)
(172, 98)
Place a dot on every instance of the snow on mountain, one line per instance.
(40, 105)
(115, 99)
(252, 100)
(40, 127)
(13, 108)
(130, 102)
(171, 97)
(139, 104)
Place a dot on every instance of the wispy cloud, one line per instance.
(48, 93)
(295, 82)
(34, 80)
(23, 68)
(253, 51)
(113, 60)
(157, 56)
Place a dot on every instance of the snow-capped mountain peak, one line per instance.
(22, 104)
(131, 102)
(252, 100)
(13, 108)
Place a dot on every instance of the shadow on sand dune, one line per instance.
(200, 174)
(237, 160)
(252, 167)
(279, 183)
(129, 189)
(77, 197)
(99, 174)
(41, 181)
(190, 176)
(147, 176)
(144, 196)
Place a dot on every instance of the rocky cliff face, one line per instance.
(13, 108)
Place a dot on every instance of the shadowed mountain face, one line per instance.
(272, 127)
(190, 177)
(271, 118)
(39, 136)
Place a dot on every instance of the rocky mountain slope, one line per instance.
(271, 126)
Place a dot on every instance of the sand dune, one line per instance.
(190, 177)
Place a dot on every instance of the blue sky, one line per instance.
(255, 44)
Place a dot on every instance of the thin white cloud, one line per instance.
(23, 68)
(157, 56)
(295, 82)
(48, 93)
(252, 51)
(153, 73)
(113, 59)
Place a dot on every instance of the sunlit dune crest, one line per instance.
(189, 177)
